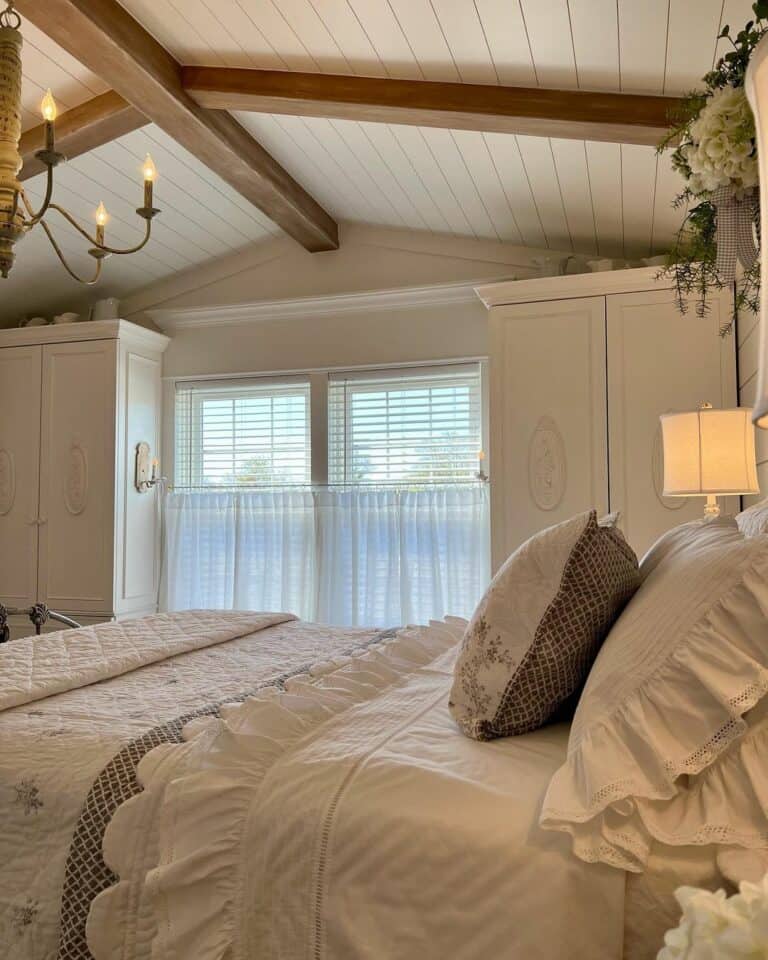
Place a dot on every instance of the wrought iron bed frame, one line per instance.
(38, 613)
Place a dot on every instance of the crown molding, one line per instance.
(310, 308)
(633, 280)
(84, 330)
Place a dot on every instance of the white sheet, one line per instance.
(349, 818)
(651, 909)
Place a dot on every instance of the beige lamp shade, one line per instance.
(756, 86)
(709, 452)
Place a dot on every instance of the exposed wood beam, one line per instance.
(82, 129)
(573, 114)
(103, 36)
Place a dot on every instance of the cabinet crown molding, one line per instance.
(85, 330)
(571, 286)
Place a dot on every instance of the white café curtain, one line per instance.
(354, 556)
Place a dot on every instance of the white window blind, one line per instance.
(418, 426)
(242, 432)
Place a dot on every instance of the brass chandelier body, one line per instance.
(17, 216)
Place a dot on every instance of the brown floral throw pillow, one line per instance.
(534, 636)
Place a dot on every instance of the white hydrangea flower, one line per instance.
(716, 927)
(721, 152)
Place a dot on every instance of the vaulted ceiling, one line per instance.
(591, 197)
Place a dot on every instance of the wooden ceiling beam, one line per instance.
(571, 114)
(103, 36)
(82, 129)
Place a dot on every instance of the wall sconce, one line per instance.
(147, 470)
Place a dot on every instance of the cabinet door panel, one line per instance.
(20, 373)
(660, 361)
(548, 416)
(138, 532)
(77, 471)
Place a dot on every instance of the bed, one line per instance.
(329, 809)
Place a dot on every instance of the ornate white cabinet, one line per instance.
(581, 368)
(74, 532)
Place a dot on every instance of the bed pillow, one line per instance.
(676, 686)
(754, 520)
(532, 640)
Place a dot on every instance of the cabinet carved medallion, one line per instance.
(547, 475)
(7, 482)
(76, 482)
(657, 473)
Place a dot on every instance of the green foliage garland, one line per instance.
(691, 263)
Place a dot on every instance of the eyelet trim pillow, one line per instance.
(537, 630)
(754, 520)
(661, 724)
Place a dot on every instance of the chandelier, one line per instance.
(17, 216)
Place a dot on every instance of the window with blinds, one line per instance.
(238, 432)
(418, 426)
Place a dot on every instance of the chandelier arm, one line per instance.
(70, 271)
(35, 218)
(100, 246)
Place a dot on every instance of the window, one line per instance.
(239, 433)
(398, 533)
(418, 426)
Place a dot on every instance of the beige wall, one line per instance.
(370, 259)
(402, 336)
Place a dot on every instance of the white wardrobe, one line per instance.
(581, 367)
(75, 533)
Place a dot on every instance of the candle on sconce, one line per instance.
(481, 464)
(49, 111)
(155, 469)
(149, 172)
(102, 219)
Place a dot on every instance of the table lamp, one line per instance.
(709, 453)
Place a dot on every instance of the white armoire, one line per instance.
(581, 367)
(75, 533)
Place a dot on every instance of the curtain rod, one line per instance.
(390, 485)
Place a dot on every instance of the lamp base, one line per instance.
(712, 509)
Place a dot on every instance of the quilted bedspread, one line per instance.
(344, 817)
(78, 711)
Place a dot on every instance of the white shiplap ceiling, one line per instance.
(596, 198)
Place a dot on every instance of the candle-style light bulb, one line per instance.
(149, 170)
(102, 217)
(48, 107)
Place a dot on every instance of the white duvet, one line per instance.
(348, 818)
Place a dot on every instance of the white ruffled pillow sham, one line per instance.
(657, 751)
(754, 520)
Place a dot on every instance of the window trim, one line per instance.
(319, 379)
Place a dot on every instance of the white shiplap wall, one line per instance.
(748, 334)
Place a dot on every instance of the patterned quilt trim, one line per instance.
(86, 873)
